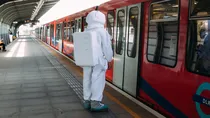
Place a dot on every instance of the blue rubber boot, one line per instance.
(98, 106)
(86, 104)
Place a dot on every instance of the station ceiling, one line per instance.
(24, 11)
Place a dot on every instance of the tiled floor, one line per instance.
(34, 84)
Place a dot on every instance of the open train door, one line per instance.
(126, 55)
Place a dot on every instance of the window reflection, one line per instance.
(202, 52)
(120, 32)
(165, 10)
(132, 36)
(200, 8)
(48, 31)
(79, 25)
(65, 31)
(163, 33)
(52, 32)
(110, 22)
(110, 26)
(58, 31)
(84, 23)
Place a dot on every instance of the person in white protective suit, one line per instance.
(94, 77)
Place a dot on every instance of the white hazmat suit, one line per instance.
(94, 77)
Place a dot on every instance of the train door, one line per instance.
(127, 48)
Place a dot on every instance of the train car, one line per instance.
(161, 52)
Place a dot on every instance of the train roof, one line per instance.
(110, 5)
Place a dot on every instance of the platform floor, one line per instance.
(38, 82)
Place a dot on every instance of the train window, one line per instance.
(110, 25)
(52, 31)
(110, 22)
(198, 52)
(200, 8)
(75, 26)
(120, 31)
(132, 31)
(45, 32)
(66, 31)
(58, 31)
(79, 25)
(41, 33)
(84, 23)
(48, 31)
(163, 36)
(163, 11)
(71, 31)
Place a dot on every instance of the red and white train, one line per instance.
(157, 55)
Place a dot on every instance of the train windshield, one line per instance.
(200, 8)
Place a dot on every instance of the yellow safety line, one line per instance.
(122, 105)
(119, 103)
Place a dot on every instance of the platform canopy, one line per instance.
(23, 11)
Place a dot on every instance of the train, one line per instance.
(158, 47)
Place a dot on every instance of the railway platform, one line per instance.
(38, 82)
